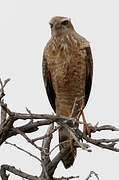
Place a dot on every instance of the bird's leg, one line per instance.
(69, 113)
(70, 137)
(86, 128)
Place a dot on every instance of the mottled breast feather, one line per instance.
(68, 70)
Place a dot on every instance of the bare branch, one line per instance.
(2, 94)
(45, 155)
(48, 167)
(66, 178)
(28, 139)
(3, 113)
(48, 119)
(92, 173)
(58, 145)
(100, 142)
(72, 132)
(22, 174)
(5, 128)
(3, 174)
(46, 135)
(17, 172)
(21, 149)
(8, 111)
(5, 82)
(29, 112)
(107, 127)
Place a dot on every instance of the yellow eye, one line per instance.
(64, 22)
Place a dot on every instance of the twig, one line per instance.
(74, 107)
(46, 135)
(66, 178)
(58, 145)
(23, 150)
(92, 173)
(2, 94)
(29, 112)
(28, 139)
(107, 127)
(74, 144)
(100, 142)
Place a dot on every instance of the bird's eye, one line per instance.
(51, 25)
(64, 22)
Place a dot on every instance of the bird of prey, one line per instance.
(67, 72)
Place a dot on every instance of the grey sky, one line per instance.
(24, 32)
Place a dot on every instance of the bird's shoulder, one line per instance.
(82, 40)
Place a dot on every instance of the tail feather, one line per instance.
(69, 157)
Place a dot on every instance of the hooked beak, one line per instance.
(57, 26)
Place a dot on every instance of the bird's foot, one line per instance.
(86, 129)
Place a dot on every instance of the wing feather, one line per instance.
(89, 73)
(48, 84)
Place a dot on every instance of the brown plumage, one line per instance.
(67, 72)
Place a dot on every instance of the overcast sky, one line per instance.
(24, 32)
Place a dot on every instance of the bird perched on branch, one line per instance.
(67, 72)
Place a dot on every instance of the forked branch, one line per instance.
(7, 130)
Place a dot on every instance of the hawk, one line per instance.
(67, 72)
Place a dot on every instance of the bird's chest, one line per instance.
(65, 69)
(61, 70)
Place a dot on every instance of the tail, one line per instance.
(69, 157)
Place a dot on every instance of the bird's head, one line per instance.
(60, 25)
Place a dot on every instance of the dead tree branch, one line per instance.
(92, 173)
(15, 171)
(7, 130)
(21, 149)
(46, 162)
(48, 119)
